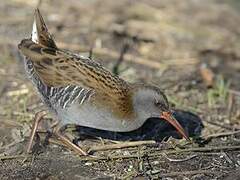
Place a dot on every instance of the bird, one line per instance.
(79, 90)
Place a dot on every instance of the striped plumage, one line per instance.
(81, 91)
(55, 97)
(60, 91)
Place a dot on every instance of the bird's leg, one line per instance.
(50, 132)
(38, 117)
(58, 130)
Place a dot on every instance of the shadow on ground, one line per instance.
(153, 129)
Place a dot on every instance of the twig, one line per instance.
(220, 125)
(230, 105)
(171, 174)
(59, 143)
(205, 149)
(227, 158)
(121, 58)
(17, 92)
(90, 55)
(139, 143)
(3, 88)
(14, 157)
(120, 145)
(161, 153)
(179, 160)
(222, 134)
(7, 146)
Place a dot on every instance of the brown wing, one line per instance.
(58, 68)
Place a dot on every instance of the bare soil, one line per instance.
(173, 44)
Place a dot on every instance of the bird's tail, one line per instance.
(41, 44)
(40, 34)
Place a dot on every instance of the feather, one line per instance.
(40, 32)
(58, 68)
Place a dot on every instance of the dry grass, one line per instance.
(167, 51)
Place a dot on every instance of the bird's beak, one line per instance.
(169, 117)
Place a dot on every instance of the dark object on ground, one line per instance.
(152, 129)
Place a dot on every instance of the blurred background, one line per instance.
(189, 48)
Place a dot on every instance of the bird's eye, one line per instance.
(158, 104)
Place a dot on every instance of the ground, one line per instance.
(189, 48)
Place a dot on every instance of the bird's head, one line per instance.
(150, 101)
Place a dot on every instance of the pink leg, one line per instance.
(58, 132)
(38, 117)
